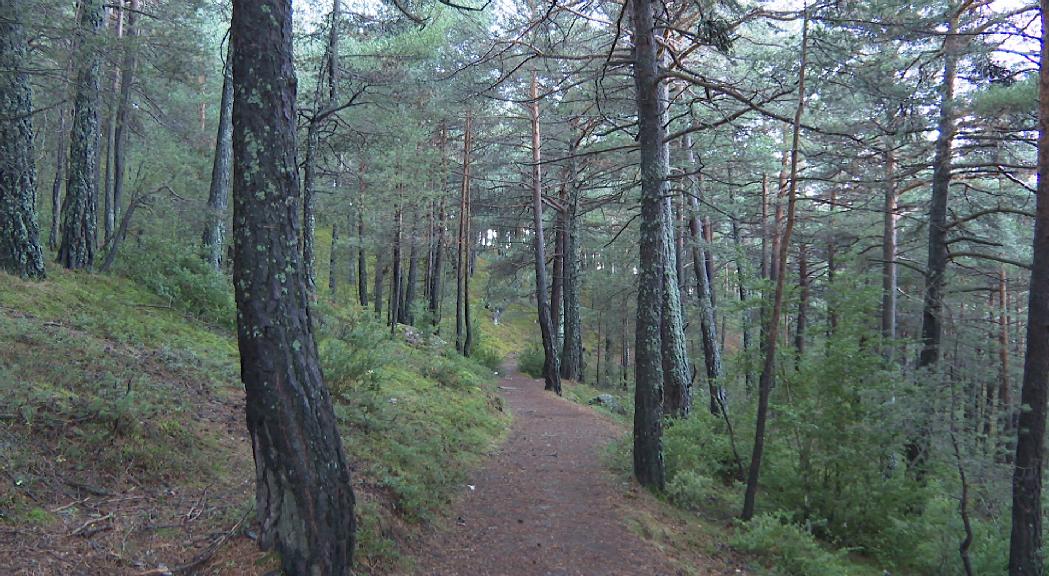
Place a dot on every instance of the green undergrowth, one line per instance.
(110, 381)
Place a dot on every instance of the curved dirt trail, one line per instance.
(545, 504)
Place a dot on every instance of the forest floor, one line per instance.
(547, 503)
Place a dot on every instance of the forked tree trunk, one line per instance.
(304, 499)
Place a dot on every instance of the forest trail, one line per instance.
(545, 504)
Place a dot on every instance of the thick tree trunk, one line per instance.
(1025, 544)
(80, 207)
(677, 370)
(551, 370)
(648, 365)
(771, 331)
(304, 499)
(63, 134)
(218, 195)
(20, 251)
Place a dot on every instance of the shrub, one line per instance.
(789, 549)
(531, 361)
(179, 276)
(689, 490)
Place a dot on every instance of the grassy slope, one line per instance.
(115, 406)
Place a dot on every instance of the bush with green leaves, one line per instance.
(177, 274)
(531, 361)
(788, 549)
(690, 490)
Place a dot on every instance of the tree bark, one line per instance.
(771, 331)
(572, 345)
(80, 207)
(218, 195)
(1025, 543)
(803, 302)
(551, 370)
(707, 314)
(407, 316)
(304, 499)
(936, 266)
(333, 261)
(648, 366)
(888, 253)
(20, 251)
(362, 254)
(462, 273)
(109, 212)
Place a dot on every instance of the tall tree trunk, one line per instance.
(707, 315)
(1025, 543)
(936, 267)
(304, 499)
(438, 268)
(462, 299)
(109, 213)
(648, 365)
(1004, 401)
(888, 252)
(396, 281)
(80, 207)
(412, 278)
(324, 103)
(333, 261)
(362, 254)
(20, 251)
(572, 347)
(377, 291)
(557, 266)
(218, 195)
(771, 331)
(677, 371)
(551, 371)
(64, 114)
(803, 301)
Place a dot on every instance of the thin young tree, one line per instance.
(304, 500)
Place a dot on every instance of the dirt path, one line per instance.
(545, 504)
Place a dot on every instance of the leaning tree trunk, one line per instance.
(80, 207)
(551, 372)
(218, 195)
(772, 320)
(648, 363)
(19, 234)
(304, 499)
(1025, 543)
(677, 372)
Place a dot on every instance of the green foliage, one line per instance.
(181, 278)
(788, 549)
(689, 490)
(696, 445)
(531, 361)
